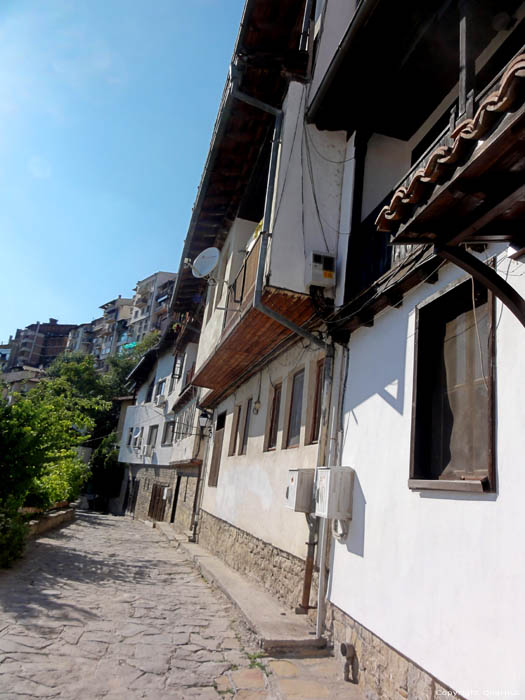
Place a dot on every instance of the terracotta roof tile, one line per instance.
(444, 158)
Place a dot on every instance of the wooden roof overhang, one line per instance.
(187, 467)
(390, 47)
(266, 52)
(250, 340)
(471, 188)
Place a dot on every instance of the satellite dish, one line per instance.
(205, 262)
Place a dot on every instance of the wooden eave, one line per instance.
(388, 291)
(389, 49)
(267, 51)
(471, 172)
(252, 338)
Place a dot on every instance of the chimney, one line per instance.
(53, 321)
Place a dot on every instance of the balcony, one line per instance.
(248, 335)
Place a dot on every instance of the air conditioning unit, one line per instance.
(319, 270)
(160, 400)
(334, 492)
(300, 490)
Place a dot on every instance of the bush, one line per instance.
(13, 533)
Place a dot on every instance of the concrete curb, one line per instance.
(277, 629)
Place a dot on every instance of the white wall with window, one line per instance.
(437, 573)
(144, 425)
(251, 452)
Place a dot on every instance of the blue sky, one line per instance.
(106, 113)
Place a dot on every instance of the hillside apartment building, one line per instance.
(364, 185)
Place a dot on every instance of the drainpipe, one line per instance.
(199, 495)
(313, 523)
(322, 462)
(265, 233)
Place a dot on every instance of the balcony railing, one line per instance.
(241, 291)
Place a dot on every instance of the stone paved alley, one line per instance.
(106, 608)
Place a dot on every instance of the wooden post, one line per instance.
(467, 75)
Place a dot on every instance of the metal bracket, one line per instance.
(487, 276)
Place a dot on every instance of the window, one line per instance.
(160, 388)
(169, 429)
(452, 435)
(218, 438)
(318, 402)
(152, 435)
(137, 440)
(149, 395)
(296, 409)
(274, 417)
(179, 363)
(235, 430)
(246, 430)
(130, 436)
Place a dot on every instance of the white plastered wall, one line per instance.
(438, 575)
(229, 264)
(308, 194)
(336, 17)
(250, 493)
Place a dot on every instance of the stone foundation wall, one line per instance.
(378, 669)
(184, 512)
(50, 521)
(149, 475)
(279, 572)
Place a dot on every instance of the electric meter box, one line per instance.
(334, 492)
(320, 270)
(300, 490)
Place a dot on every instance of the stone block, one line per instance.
(248, 678)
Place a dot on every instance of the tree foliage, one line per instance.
(40, 434)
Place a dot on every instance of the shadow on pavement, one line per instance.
(57, 566)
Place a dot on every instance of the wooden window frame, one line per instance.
(153, 429)
(274, 417)
(165, 432)
(315, 421)
(243, 445)
(216, 455)
(290, 407)
(160, 387)
(487, 485)
(234, 430)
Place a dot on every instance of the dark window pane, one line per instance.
(274, 419)
(296, 407)
(316, 421)
(246, 430)
(452, 436)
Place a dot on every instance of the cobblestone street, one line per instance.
(106, 608)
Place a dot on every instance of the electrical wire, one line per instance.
(314, 195)
(328, 160)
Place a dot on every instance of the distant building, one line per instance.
(110, 331)
(150, 304)
(38, 344)
(80, 339)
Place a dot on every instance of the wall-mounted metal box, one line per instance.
(320, 270)
(334, 492)
(300, 490)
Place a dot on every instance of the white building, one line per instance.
(353, 186)
(150, 305)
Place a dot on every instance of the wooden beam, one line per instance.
(514, 198)
(487, 276)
